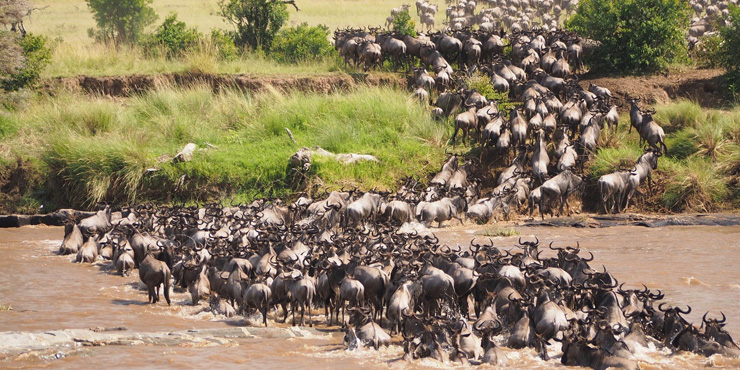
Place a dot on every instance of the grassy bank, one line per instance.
(80, 150)
(74, 150)
(700, 172)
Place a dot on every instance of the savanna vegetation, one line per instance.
(73, 150)
(81, 150)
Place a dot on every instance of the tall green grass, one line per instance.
(98, 149)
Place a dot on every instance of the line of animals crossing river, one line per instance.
(375, 278)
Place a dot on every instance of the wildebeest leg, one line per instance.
(293, 309)
(150, 291)
(310, 318)
(454, 135)
(303, 312)
(263, 309)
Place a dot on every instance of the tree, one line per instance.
(120, 21)
(635, 35)
(256, 21)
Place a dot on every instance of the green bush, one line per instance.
(404, 25)
(224, 44)
(302, 43)
(482, 84)
(120, 21)
(730, 49)
(172, 36)
(635, 35)
(256, 21)
(37, 55)
(706, 52)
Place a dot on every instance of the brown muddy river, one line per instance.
(695, 265)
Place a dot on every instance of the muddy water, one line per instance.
(692, 265)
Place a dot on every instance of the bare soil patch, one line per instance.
(700, 85)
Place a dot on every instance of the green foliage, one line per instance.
(37, 55)
(224, 44)
(120, 21)
(173, 36)
(404, 25)
(256, 22)
(482, 84)
(301, 44)
(98, 149)
(730, 49)
(706, 52)
(635, 35)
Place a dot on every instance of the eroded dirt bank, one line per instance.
(700, 85)
(123, 86)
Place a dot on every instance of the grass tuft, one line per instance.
(696, 186)
(679, 115)
(500, 231)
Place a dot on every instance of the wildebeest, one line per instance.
(560, 186)
(155, 271)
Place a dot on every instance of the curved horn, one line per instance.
(589, 260)
(688, 311)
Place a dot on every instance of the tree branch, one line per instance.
(291, 2)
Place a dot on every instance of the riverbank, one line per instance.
(586, 220)
(113, 139)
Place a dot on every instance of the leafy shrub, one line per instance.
(482, 84)
(224, 44)
(299, 44)
(706, 52)
(37, 55)
(730, 49)
(120, 21)
(256, 21)
(404, 25)
(635, 35)
(173, 36)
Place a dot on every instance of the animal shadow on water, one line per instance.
(129, 302)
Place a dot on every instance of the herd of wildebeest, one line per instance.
(372, 256)
(350, 252)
